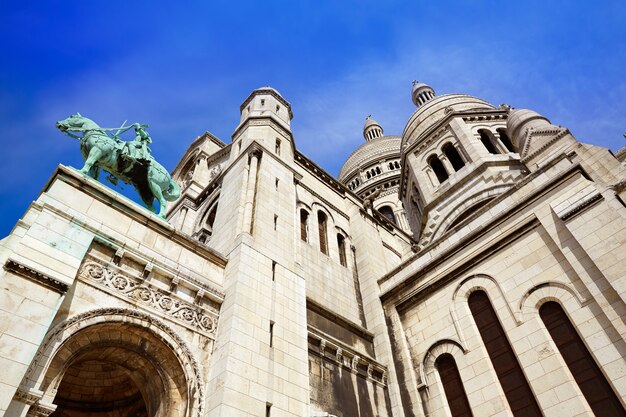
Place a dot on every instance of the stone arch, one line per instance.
(438, 168)
(188, 165)
(163, 369)
(473, 202)
(453, 155)
(489, 141)
(437, 349)
(476, 282)
(584, 314)
(429, 376)
(548, 291)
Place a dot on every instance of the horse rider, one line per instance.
(138, 147)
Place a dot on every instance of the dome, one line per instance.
(519, 120)
(369, 152)
(436, 109)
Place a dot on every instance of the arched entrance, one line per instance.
(121, 364)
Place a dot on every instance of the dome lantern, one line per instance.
(421, 93)
(371, 129)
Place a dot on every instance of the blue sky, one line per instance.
(185, 67)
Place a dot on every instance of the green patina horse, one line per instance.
(122, 161)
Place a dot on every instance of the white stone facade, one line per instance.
(275, 289)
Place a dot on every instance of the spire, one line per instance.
(372, 129)
(421, 93)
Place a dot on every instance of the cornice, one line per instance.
(36, 276)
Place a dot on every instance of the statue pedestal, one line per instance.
(85, 261)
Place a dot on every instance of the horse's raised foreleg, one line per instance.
(94, 155)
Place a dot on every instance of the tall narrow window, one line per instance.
(453, 156)
(210, 219)
(514, 384)
(453, 386)
(506, 141)
(277, 147)
(321, 222)
(341, 244)
(438, 168)
(388, 213)
(487, 139)
(271, 334)
(304, 220)
(586, 373)
(273, 270)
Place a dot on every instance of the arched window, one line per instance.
(388, 213)
(397, 165)
(210, 219)
(321, 223)
(486, 137)
(378, 170)
(341, 244)
(586, 373)
(506, 141)
(512, 379)
(453, 156)
(304, 227)
(453, 386)
(277, 147)
(438, 168)
(368, 175)
(390, 165)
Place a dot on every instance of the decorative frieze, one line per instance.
(165, 302)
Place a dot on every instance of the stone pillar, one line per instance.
(248, 213)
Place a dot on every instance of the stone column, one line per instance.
(255, 156)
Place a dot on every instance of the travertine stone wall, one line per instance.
(556, 237)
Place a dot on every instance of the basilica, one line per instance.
(472, 266)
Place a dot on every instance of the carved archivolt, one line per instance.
(169, 304)
(47, 368)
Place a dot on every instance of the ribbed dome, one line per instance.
(436, 109)
(519, 120)
(368, 153)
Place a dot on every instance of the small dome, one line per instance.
(371, 129)
(421, 93)
(521, 119)
(367, 154)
